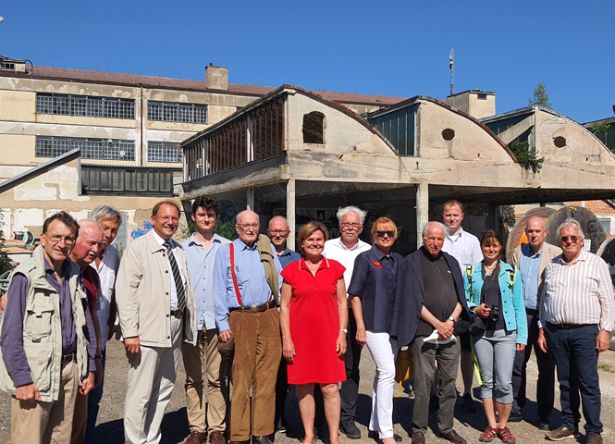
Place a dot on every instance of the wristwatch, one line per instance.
(345, 330)
(450, 318)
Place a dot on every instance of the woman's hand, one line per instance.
(520, 347)
(361, 337)
(288, 349)
(340, 344)
(483, 311)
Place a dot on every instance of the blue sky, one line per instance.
(386, 48)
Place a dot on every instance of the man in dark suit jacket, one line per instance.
(430, 299)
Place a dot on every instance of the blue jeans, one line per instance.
(93, 404)
(576, 359)
(495, 353)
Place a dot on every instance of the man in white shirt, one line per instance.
(106, 265)
(345, 249)
(464, 247)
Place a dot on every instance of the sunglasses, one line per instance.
(385, 233)
(568, 238)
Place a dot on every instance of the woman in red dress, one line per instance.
(313, 319)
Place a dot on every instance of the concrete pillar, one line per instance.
(250, 198)
(290, 212)
(422, 210)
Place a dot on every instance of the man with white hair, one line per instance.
(430, 299)
(345, 249)
(576, 320)
(106, 264)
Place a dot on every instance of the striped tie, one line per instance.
(179, 283)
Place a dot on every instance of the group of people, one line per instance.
(253, 315)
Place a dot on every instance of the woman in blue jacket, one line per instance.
(494, 293)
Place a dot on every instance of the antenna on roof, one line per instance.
(451, 68)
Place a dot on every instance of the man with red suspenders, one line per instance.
(246, 289)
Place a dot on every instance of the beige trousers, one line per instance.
(47, 422)
(151, 378)
(205, 413)
(80, 420)
(258, 350)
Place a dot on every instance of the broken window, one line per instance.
(90, 106)
(314, 127)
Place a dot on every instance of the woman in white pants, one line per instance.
(372, 292)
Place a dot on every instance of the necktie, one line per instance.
(179, 283)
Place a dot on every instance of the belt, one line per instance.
(569, 326)
(70, 357)
(254, 308)
(177, 313)
(531, 311)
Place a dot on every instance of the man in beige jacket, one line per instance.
(531, 259)
(156, 309)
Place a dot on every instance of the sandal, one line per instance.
(488, 435)
(506, 436)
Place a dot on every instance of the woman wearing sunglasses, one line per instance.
(372, 292)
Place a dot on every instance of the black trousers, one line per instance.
(350, 388)
(546, 372)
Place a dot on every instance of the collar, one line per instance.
(344, 247)
(455, 235)
(428, 256)
(527, 250)
(192, 239)
(242, 245)
(377, 254)
(287, 252)
(582, 258)
(324, 263)
(64, 272)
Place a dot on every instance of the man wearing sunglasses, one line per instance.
(577, 316)
(345, 249)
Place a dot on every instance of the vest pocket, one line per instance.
(37, 324)
(40, 362)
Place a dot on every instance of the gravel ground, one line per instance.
(175, 428)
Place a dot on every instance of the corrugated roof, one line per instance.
(83, 75)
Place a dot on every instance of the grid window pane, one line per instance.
(91, 106)
(176, 112)
(163, 152)
(111, 149)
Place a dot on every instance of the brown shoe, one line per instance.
(562, 432)
(217, 438)
(418, 438)
(196, 438)
(594, 438)
(452, 436)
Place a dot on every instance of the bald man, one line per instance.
(87, 248)
(247, 282)
(532, 260)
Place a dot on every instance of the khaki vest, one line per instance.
(42, 332)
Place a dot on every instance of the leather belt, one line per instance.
(254, 308)
(570, 326)
(70, 357)
(177, 313)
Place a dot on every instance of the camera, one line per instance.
(494, 314)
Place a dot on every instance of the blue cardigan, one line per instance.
(513, 307)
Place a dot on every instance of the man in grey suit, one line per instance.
(156, 308)
(532, 259)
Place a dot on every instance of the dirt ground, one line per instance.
(110, 431)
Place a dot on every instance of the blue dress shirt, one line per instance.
(288, 256)
(529, 266)
(201, 268)
(253, 287)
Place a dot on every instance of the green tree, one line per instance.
(526, 155)
(540, 97)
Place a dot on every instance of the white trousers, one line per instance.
(151, 378)
(383, 350)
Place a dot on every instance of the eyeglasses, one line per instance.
(246, 227)
(68, 240)
(569, 238)
(278, 232)
(385, 233)
(350, 225)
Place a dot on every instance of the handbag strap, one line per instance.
(233, 275)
